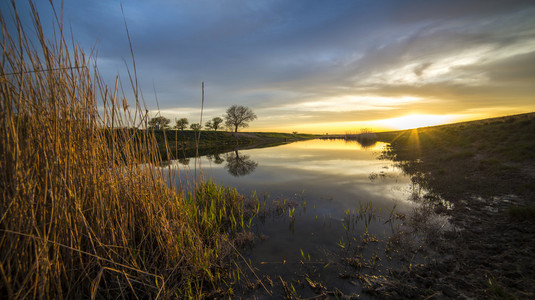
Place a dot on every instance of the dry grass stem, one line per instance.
(85, 211)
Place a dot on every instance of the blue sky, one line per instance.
(317, 66)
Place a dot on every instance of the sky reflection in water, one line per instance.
(331, 176)
(324, 169)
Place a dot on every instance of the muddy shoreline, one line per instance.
(488, 255)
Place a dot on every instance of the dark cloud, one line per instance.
(418, 10)
(518, 70)
(418, 70)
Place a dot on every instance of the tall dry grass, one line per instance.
(84, 211)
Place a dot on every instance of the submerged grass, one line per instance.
(85, 211)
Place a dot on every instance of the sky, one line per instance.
(315, 66)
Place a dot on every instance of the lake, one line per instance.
(330, 200)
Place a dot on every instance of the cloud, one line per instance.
(341, 60)
(420, 68)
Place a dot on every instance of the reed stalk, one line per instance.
(85, 211)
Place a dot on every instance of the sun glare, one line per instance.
(415, 121)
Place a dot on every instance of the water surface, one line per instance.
(328, 181)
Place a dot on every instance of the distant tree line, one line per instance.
(236, 116)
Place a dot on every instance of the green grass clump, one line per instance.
(85, 211)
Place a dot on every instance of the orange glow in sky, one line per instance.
(397, 123)
(339, 67)
(417, 120)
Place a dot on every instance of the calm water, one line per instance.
(324, 179)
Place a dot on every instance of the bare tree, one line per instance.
(208, 125)
(239, 116)
(216, 122)
(159, 123)
(195, 126)
(181, 123)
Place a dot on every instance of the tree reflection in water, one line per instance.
(239, 165)
(215, 158)
(184, 161)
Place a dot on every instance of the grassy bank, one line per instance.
(81, 217)
(481, 175)
(489, 157)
